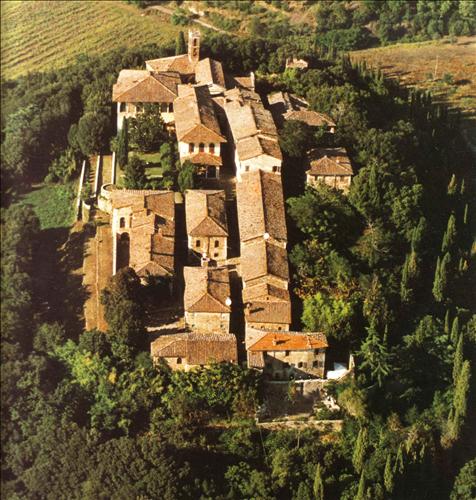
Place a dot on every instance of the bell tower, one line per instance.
(193, 45)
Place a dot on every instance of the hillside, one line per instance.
(42, 35)
(446, 69)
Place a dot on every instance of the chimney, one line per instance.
(193, 45)
(252, 79)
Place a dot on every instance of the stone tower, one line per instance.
(193, 45)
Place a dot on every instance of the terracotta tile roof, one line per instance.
(289, 341)
(152, 229)
(285, 106)
(205, 213)
(262, 258)
(242, 82)
(197, 348)
(145, 86)
(254, 146)
(260, 311)
(265, 292)
(206, 289)
(329, 161)
(208, 71)
(251, 125)
(203, 159)
(260, 205)
(181, 64)
(195, 118)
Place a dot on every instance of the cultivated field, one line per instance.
(448, 70)
(42, 35)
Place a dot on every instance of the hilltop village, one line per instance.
(222, 248)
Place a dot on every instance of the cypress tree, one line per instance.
(447, 322)
(465, 215)
(405, 289)
(455, 330)
(360, 449)
(180, 47)
(361, 490)
(453, 185)
(399, 462)
(437, 283)
(449, 238)
(388, 475)
(318, 487)
(460, 400)
(123, 145)
(458, 359)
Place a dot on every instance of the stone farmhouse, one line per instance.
(255, 138)
(207, 301)
(285, 106)
(198, 130)
(208, 110)
(143, 231)
(192, 350)
(207, 229)
(289, 355)
(331, 166)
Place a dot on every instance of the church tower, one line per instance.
(193, 45)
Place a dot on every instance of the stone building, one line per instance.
(285, 106)
(136, 88)
(210, 72)
(185, 351)
(207, 230)
(198, 131)
(183, 64)
(207, 301)
(260, 204)
(266, 307)
(255, 138)
(289, 355)
(296, 63)
(143, 231)
(331, 166)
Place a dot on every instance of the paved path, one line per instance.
(165, 10)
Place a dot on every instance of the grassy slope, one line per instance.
(414, 64)
(53, 204)
(44, 35)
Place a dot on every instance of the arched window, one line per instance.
(201, 147)
(211, 148)
(122, 222)
(191, 147)
(171, 107)
(179, 361)
(122, 107)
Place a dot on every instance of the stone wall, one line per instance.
(208, 322)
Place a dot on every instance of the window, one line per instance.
(217, 243)
(179, 361)
(316, 351)
(201, 147)
(191, 148)
(122, 107)
(314, 364)
(247, 168)
(164, 107)
(286, 353)
(215, 254)
(197, 243)
(211, 148)
(139, 107)
(300, 364)
(122, 222)
(171, 107)
(275, 169)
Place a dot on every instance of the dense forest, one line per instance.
(387, 272)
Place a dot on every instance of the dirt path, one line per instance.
(165, 10)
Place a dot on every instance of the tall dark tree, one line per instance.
(94, 131)
(123, 145)
(180, 46)
(134, 174)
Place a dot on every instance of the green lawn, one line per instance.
(42, 35)
(154, 169)
(54, 204)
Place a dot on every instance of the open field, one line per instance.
(446, 69)
(53, 204)
(43, 35)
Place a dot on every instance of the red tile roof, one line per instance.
(329, 161)
(289, 341)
